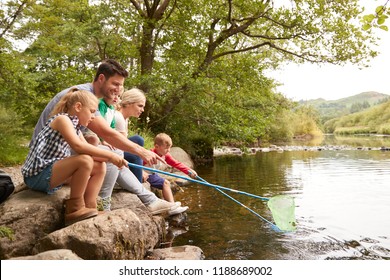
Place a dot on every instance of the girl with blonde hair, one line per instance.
(50, 164)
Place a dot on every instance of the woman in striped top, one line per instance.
(50, 163)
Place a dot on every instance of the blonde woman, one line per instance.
(132, 105)
(126, 179)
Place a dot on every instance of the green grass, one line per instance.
(145, 133)
(10, 156)
(352, 130)
(7, 232)
(370, 121)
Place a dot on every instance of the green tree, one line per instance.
(359, 106)
(202, 63)
(15, 80)
(219, 35)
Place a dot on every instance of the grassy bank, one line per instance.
(375, 120)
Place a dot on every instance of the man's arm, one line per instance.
(118, 140)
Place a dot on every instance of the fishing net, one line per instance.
(283, 211)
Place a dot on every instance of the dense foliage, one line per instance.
(13, 148)
(202, 63)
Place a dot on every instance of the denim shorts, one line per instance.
(41, 181)
(156, 181)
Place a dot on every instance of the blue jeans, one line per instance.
(41, 181)
(135, 159)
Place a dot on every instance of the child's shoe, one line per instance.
(75, 211)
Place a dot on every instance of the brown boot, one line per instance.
(75, 211)
(94, 206)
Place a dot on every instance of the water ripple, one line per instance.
(342, 205)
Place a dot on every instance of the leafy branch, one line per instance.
(378, 19)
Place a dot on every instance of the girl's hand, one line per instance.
(118, 161)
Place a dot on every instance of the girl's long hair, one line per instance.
(73, 96)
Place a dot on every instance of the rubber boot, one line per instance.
(75, 211)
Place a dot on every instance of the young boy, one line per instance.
(107, 111)
(162, 146)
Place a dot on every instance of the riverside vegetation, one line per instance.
(373, 120)
(311, 120)
(206, 84)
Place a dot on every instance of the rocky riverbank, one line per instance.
(223, 151)
(32, 227)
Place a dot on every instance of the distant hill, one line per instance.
(375, 119)
(329, 109)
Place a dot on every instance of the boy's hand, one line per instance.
(145, 176)
(192, 173)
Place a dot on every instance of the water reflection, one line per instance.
(342, 202)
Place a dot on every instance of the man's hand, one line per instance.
(108, 145)
(150, 158)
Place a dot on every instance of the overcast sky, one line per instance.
(334, 82)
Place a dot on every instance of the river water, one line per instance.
(342, 204)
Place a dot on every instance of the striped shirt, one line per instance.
(48, 147)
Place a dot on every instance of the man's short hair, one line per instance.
(109, 68)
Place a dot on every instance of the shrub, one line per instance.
(13, 140)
